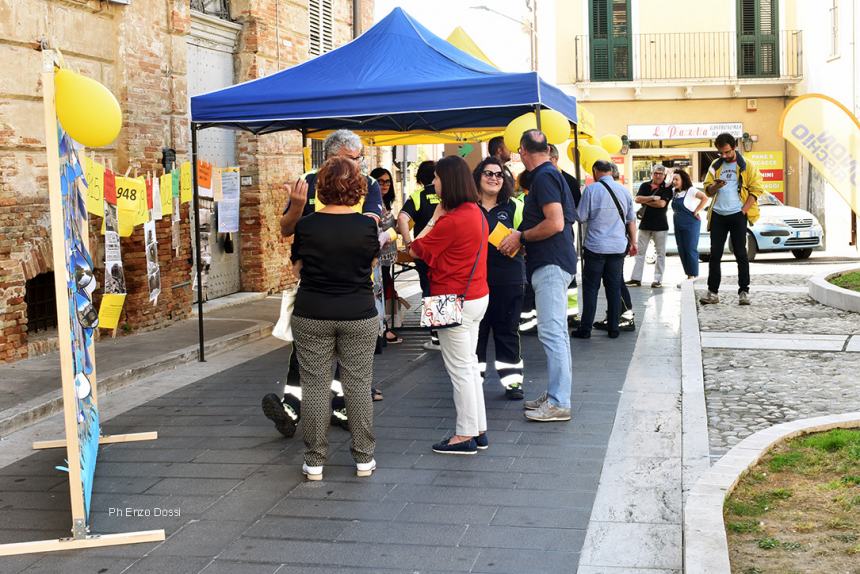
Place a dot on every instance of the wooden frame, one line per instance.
(81, 538)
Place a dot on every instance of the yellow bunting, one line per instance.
(166, 192)
(185, 191)
(94, 173)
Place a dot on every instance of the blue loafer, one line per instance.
(465, 447)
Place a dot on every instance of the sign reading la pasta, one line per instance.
(640, 132)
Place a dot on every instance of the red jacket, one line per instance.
(450, 248)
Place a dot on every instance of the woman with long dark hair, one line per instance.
(687, 203)
(506, 277)
(388, 253)
(453, 244)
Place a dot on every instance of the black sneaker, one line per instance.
(626, 325)
(601, 325)
(284, 417)
(514, 393)
(339, 419)
(465, 447)
(482, 442)
(580, 334)
(633, 283)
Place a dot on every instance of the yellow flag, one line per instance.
(166, 191)
(94, 173)
(828, 136)
(185, 191)
(131, 203)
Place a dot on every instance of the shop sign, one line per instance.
(772, 168)
(682, 131)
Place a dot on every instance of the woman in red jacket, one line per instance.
(454, 246)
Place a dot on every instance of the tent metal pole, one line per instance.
(579, 179)
(305, 166)
(537, 115)
(197, 259)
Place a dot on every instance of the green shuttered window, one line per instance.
(758, 38)
(611, 58)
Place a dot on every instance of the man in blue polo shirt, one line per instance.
(550, 266)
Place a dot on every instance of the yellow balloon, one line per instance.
(611, 143)
(87, 110)
(570, 151)
(515, 130)
(590, 154)
(555, 126)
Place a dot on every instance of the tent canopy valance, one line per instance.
(396, 77)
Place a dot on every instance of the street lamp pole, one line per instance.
(530, 26)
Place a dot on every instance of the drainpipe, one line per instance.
(356, 18)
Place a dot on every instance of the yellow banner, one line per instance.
(110, 310)
(828, 136)
(185, 191)
(94, 173)
(131, 203)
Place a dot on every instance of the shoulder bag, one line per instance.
(446, 311)
(283, 329)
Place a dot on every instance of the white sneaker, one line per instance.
(312, 472)
(365, 468)
(431, 346)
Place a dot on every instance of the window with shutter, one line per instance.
(321, 27)
(610, 40)
(758, 34)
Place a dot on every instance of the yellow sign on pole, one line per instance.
(827, 134)
(772, 168)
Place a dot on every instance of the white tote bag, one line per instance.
(283, 329)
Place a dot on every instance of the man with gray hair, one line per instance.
(302, 195)
(610, 234)
(654, 196)
(285, 412)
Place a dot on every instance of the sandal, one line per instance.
(392, 338)
(375, 394)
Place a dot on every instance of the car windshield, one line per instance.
(768, 199)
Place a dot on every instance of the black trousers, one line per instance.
(609, 268)
(502, 318)
(733, 226)
(423, 277)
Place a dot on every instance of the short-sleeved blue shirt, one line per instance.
(547, 185)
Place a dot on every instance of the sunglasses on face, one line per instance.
(493, 174)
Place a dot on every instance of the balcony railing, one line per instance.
(689, 56)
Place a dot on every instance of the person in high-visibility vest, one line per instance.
(506, 277)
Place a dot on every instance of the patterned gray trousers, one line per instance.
(351, 343)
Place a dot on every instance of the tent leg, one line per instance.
(199, 263)
(537, 115)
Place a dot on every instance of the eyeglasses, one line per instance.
(358, 157)
(493, 174)
(384, 181)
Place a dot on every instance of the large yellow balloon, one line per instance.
(515, 130)
(611, 143)
(87, 110)
(590, 154)
(555, 126)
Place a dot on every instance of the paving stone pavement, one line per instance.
(239, 503)
(748, 390)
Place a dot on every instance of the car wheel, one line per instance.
(801, 253)
(704, 257)
(752, 247)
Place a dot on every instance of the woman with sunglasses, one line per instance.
(506, 277)
(388, 254)
(453, 244)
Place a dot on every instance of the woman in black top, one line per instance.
(335, 316)
(506, 277)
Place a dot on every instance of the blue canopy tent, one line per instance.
(397, 77)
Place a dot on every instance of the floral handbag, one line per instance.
(445, 311)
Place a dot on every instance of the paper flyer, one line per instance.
(114, 274)
(230, 184)
(156, 199)
(204, 178)
(94, 173)
(217, 195)
(499, 232)
(228, 216)
(165, 185)
(185, 182)
(153, 272)
(110, 310)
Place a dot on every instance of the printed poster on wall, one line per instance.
(115, 290)
(153, 272)
(772, 168)
(228, 207)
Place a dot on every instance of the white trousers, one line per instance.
(458, 352)
(659, 239)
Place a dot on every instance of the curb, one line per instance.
(706, 549)
(695, 449)
(832, 295)
(51, 403)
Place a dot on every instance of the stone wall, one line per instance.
(139, 52)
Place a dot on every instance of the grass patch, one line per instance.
(797, 509)
(847, 280)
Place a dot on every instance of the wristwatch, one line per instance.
(522, 237)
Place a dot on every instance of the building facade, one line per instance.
(153, 56)
(668, 78)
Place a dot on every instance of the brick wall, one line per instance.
(139, 52)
